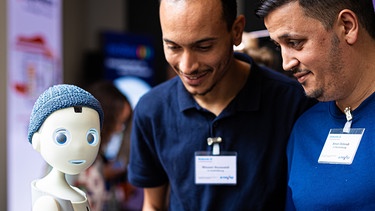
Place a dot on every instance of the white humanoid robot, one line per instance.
(65, 129)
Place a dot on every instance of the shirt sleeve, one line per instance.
(145, 169)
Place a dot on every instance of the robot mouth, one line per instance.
(77, 162)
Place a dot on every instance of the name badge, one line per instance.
(340, 147)
(216, 169)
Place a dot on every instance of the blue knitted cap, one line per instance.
(59, 97)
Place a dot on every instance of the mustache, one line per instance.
(194, 73)
(296, 70)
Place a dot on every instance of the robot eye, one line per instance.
(61, 136)
(92, 137)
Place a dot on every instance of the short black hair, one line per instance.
(326, 11)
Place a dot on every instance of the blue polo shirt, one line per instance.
(169, 127)
(322, 186)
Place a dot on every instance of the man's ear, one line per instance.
(348, 21)
(36, 141)
(237, 29)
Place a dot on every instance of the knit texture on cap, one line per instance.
(59, 97)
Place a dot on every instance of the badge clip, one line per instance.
(349, 118)
(215, 141)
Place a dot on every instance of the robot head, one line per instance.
(65, 128)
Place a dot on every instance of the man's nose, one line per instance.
(188, 63)
(289, 60)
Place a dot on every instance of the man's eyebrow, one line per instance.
(194, 43)
(285, 36)
(281, 37)
(206, 40)
(169, 41)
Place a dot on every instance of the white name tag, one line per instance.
(340, 147)
(216, 169)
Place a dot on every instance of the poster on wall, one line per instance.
(128, 60)
(34, 64)
(127, 54)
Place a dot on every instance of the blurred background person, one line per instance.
(106, 181)
(262, 54)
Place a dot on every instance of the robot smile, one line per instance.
(77, 162)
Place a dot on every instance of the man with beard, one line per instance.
(330, 47)
(216, 134)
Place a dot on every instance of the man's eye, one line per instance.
(92, 137)
(172, 47)
(61, 136)
(204, 47)
(295, 43)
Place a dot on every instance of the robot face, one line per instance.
(69, 139)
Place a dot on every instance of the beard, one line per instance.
(328, 91)
(219, 73)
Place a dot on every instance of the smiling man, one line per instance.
(216, 134)
(330, 47)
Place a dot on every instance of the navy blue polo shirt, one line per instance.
(169, 127)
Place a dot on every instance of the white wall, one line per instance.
(82, 21)
(103, 15)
